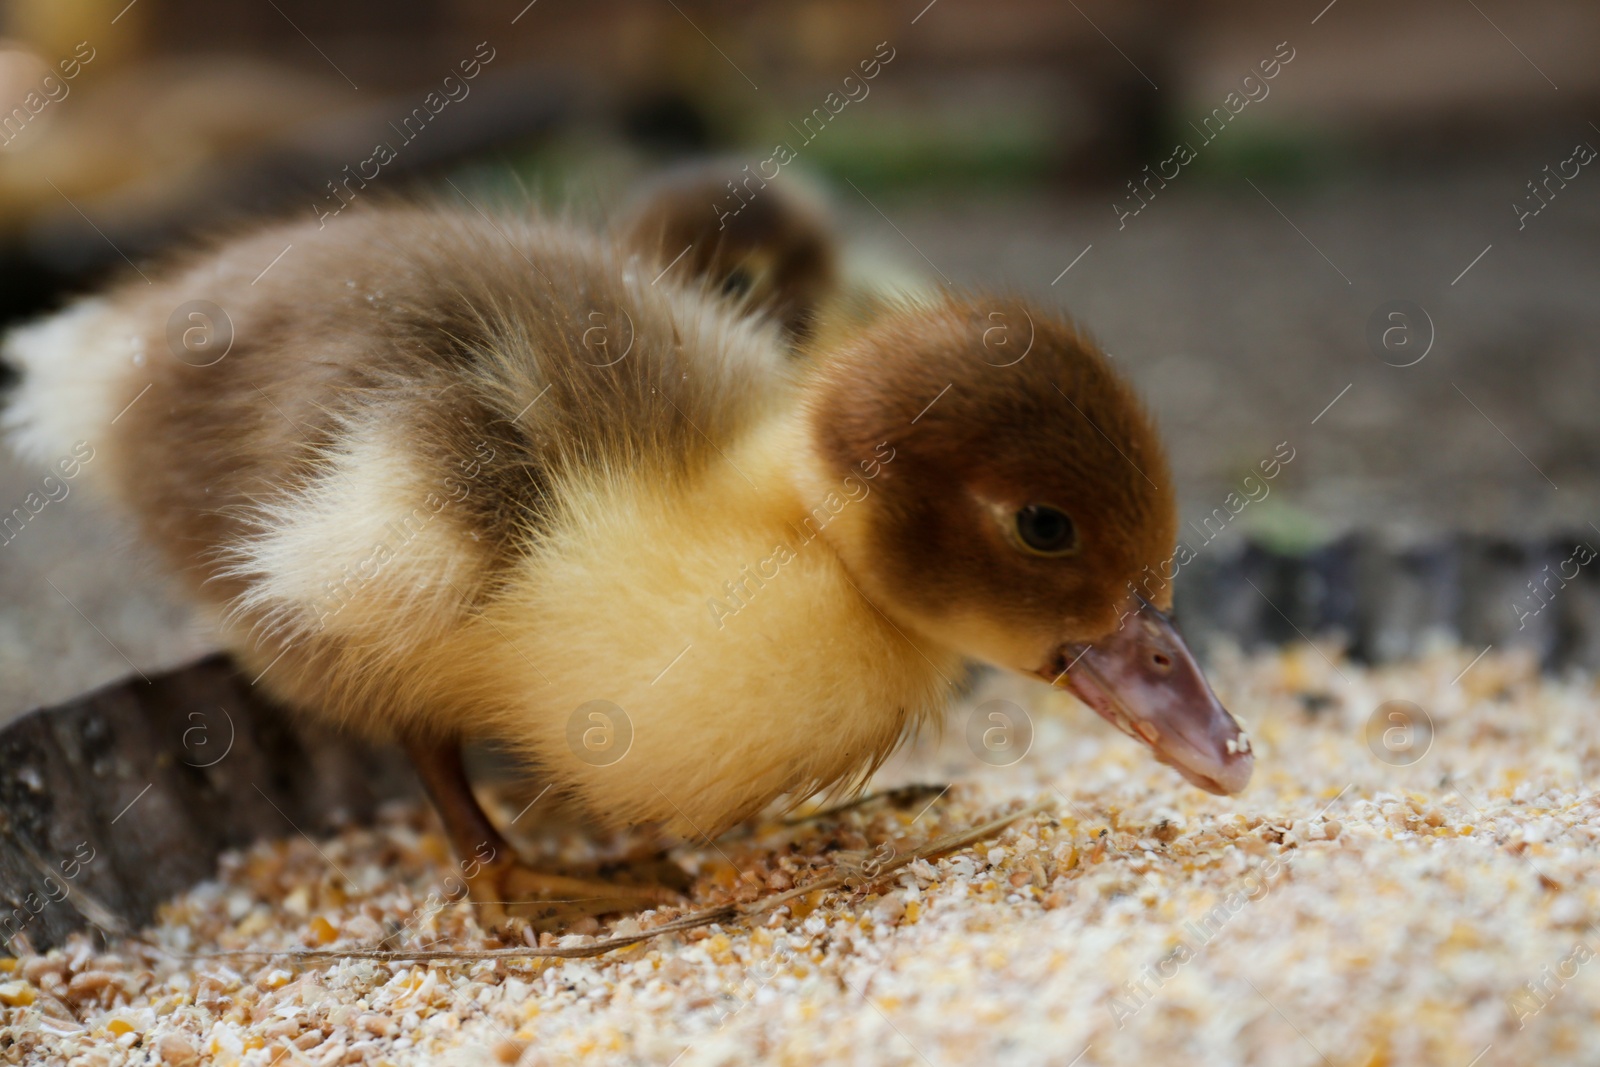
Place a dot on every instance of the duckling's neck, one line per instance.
(825, 503)
(716, 613)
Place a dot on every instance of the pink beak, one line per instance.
(1143, 680)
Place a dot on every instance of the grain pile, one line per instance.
(1345, 910)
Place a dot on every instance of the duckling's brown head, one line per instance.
(766, 244)
(1017, 494)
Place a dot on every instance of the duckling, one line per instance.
(438, 475)
(772, 248)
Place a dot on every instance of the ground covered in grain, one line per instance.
(1387, 892)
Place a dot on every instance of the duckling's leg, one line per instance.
(499, 883)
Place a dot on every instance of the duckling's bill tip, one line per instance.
(1143, 680)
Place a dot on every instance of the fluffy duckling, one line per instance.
(440, 476)
(772, 249)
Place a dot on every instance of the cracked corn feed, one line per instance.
(1358, 905)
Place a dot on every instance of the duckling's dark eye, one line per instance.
(737, 283)
(1046, 531)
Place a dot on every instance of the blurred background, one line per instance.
(1236, 198)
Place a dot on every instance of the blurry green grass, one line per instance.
(902, 152)
(1283, 155)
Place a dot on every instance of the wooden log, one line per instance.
(115, 801)
(1386, 602)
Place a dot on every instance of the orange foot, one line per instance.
(511, 893)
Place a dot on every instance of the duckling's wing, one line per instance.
(349, 429)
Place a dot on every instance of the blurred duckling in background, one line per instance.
(772, 250)
(438, 476)
(774, 254)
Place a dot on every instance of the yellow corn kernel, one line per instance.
(323, 932)
(16, 994)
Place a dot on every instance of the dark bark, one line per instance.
(82, 836)
(1383, 601)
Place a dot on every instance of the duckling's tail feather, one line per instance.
(61, 376)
